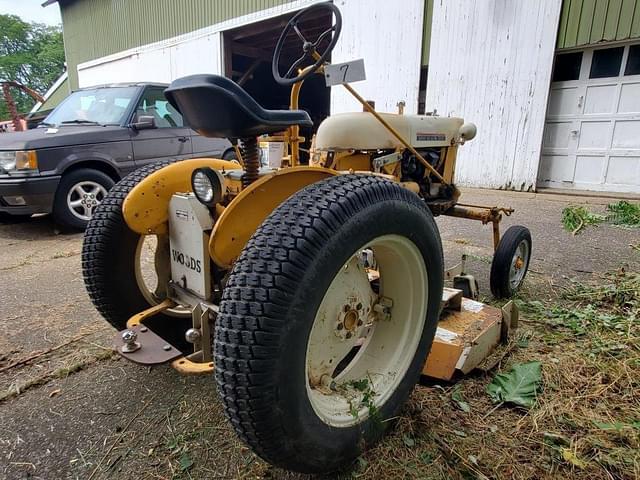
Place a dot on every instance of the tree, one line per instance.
(31, 54)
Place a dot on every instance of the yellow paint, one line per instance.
(450, 164)
(187, 367)
(248, 210)
(135, 320)
(356, 161)
(146, 208)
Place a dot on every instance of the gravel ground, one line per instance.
(80, 409)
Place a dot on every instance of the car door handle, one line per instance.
(183, 139)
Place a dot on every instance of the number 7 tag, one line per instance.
(347, 72)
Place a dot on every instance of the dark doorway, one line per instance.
(248, 51)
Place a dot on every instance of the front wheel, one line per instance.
(510, 262)
(327, 319)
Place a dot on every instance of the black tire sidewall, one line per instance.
(391, 218)
(310, 445)
(501, 263)
(61, 213)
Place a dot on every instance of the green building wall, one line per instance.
(587, 22)
(96, 28)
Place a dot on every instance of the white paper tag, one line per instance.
(347, 72)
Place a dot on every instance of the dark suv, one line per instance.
(91, 140)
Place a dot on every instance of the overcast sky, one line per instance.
(32, 11)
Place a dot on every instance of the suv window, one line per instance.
(155, 104)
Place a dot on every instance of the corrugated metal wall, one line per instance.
(585, 22)
(426, 31)
(96, 28)
(56, 97)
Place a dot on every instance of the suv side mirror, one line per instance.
(144, 122)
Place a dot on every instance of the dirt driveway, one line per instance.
(78, 411)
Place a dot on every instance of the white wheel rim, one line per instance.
(386, 345)
(147, 276)
(519, 262)
(84, 197)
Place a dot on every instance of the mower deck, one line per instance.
(467, 333)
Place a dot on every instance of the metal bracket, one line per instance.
(384, 160)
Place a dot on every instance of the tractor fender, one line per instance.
(146, 207)
(252, 206)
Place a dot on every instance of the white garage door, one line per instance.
(592, 131)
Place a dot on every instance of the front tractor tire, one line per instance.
(110, 263)
(314, 357)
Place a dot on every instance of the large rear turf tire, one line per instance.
(309, 373)
(109, 256)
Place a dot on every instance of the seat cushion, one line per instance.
(215, 106)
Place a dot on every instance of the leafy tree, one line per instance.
(31, 54)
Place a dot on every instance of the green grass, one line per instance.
(576, 217)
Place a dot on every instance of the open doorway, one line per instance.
(248, 51)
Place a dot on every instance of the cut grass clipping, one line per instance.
(576, 217)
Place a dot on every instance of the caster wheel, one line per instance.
(510, 262)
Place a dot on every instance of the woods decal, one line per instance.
(189, 262)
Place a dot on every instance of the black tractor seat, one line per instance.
(215, 106)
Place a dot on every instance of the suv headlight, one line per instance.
(18, 161)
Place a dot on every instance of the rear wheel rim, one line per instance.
(357, 356)
(84, 197)
(519, 263)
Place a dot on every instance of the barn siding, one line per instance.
(586, 22)
(389, 40)
(490, 62)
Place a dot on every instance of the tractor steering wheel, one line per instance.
(308, 47)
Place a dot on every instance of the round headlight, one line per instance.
(207, 185)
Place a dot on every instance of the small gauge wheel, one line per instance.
(510, 261)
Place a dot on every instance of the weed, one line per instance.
(575, 218)
(622, 213)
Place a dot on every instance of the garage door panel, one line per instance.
(629, 98)
(556, 135)
(555, 168)
(592, 130)
(600, 99)
(624, 170)
(563, 101)
(626, 134)
(590, 168)
(594, 136)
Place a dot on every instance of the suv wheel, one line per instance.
(78, 194)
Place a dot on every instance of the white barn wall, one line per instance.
(388, 35)
(490, 63)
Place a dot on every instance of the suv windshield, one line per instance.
(101, 106)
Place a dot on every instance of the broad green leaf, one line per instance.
(519, 386)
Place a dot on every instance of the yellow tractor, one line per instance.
(315, 291)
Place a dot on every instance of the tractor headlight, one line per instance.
(18, 161)
(208, 186)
